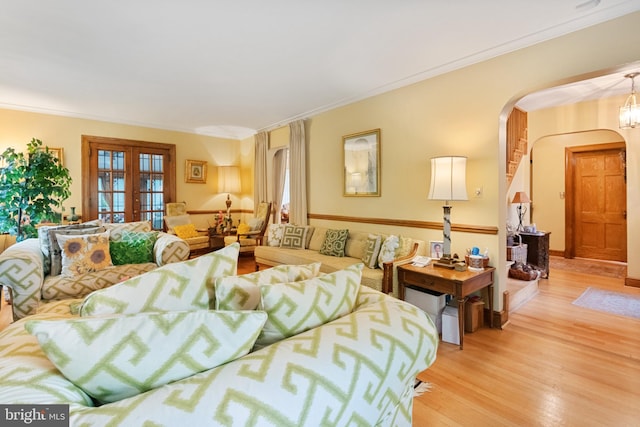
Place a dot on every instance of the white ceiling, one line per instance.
(229, 68)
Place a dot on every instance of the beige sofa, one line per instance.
(383, 278)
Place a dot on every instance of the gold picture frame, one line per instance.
(58, 153)
(361, 155)
(195, 171)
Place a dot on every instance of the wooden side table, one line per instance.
(460, 284)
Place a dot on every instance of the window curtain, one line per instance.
(260, 174)
(297, 173)
(279, 174)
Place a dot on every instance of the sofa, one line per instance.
(381, 253)
(352, 360)
(26, 267)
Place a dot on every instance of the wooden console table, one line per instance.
(460, 284)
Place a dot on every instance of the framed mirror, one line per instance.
(361, 153)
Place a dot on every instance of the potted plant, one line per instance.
(32, 185)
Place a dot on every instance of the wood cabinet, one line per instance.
(538, 250)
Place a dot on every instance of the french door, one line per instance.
(126, 180)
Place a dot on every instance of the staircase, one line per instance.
(517, 143)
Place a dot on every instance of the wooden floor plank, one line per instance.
(553, 364)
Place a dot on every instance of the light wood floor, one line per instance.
(553, 364)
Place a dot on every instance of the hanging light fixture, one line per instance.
(630, 111)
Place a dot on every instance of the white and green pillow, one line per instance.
(187, 285)
(370, 257)
(115, 357)
(295, 307)
(335, 242)
(243, 292)
(274, 234)
(388, 250)
(116, 229)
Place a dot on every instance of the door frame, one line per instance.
(88, 141)
(569, 179)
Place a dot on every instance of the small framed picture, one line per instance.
(435, 249)
(58, 153)
(195, 171)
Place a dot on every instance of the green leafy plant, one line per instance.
(32, 186)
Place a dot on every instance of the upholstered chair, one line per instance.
(254, 234)
(177, 221)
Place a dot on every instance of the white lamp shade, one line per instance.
(228, 179)
(448, 178)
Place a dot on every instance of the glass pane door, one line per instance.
(111, 185)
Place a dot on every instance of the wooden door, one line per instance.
(597, 208)
(126, 180)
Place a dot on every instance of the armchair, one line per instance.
(258, 226)
(177, 221)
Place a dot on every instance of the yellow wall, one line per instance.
(18, 127)
(459, 113)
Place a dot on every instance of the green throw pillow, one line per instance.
(294, 236)
(370, 257)
(133, 247)
(115, 357)
(295, 307)
(334, 243)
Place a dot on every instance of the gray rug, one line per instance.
(610, 302)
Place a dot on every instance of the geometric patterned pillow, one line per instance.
(117, 229)
(84, 253)
(133, 247)
(296, 307)
(115, 357)
(187, 285)
(243, 292)
(370, 257)
(294, 237)
(388, 250)
(334, 243)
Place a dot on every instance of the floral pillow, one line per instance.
(274, 234)
(84, 253)
(388, 250)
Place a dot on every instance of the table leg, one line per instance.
(491, 305)
(461, 319)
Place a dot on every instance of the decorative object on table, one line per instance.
(73, 217)
(521, 198)
(630, 111)
(229, 182)
(361, 153)
(435, 249)
(522, 271)
(448, 182)
(195, 171)
(32, 184)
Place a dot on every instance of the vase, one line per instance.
(73, 216)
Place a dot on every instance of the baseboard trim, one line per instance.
(632, 282)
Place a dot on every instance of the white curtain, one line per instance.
(297, 173)
(260, 174)
(279, 175)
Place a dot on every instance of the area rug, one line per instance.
(610, 302)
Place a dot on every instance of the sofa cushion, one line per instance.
(317, 238)
(372, 250)
(51, 248)
(274, 234)
(294, 236)
(115, 357)
(186, 231)
(295, 307)
(84, 253)
(388, 250)
(243, 292)
(187, 285)
(133, 247)
(356, 244)
(335, 242)
(116, 229)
